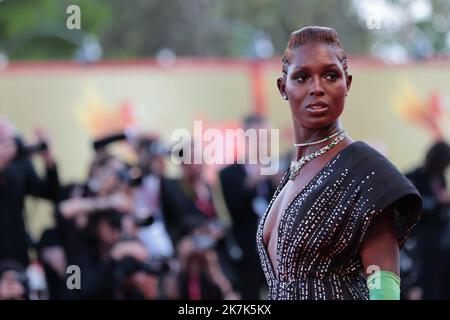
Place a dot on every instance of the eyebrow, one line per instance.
(329, 65)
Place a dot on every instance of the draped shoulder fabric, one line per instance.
(321, 231)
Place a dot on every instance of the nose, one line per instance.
(316, 88)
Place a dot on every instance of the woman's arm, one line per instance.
(380, 252)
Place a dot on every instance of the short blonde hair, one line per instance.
(314, 34)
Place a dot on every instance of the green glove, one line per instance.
(384, 285)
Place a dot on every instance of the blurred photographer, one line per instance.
(71, 241)
(430, 240)
(202, 276)
(89, 247)
(137, 275)
(106, 188)
(18, 178)
(151, 153)
(187, 202)
(197, 231)
(247, 194)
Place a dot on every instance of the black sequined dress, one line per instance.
(320, 232)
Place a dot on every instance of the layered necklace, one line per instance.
(297, 165)
(318, 141)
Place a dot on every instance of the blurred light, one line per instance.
(90, 50)
(36, 280)
(420, 10)
(389, 16)
(4, 60)
(392, 53)
(166, 57)
(262, 45)
(406, 263)
(423, 48)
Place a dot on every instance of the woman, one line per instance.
(342, 210)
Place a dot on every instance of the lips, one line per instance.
(317, 107)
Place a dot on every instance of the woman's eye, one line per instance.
(332, 76)
(301, 77)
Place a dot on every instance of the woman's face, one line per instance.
(315, 85)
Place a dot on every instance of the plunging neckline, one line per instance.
(274, 275)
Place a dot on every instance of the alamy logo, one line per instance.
(212, 146)
(74, 277)
(375, 283)
(373, 21)
(73, 21)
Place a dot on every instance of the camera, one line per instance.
(153, 147)
(131, 176)
(27, 150)
(128, 265)
(144, 222)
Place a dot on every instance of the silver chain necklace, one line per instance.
(297, 165)
(318, 141)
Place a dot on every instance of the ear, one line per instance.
(349, 82)
(281, 84)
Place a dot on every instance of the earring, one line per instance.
(285, 97)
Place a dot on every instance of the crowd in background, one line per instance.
(131, 231)
(135, 233)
